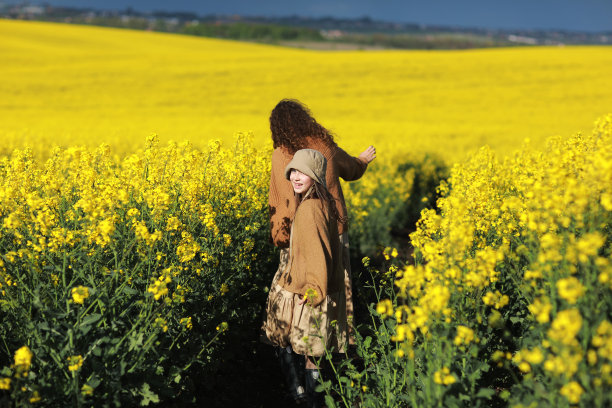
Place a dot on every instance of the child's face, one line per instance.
(300, 181)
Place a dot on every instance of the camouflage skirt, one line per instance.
(308, 330)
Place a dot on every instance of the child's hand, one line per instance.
(302, 300)
(368, 154)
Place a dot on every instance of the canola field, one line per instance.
(133, 269)
(66, 85)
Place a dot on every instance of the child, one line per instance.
(306, 308)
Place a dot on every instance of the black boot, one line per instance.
(311, 381)
(292, 366)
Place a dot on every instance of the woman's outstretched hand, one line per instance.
(368, 154)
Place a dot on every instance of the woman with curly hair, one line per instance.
(294, 128)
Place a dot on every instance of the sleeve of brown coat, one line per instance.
(349, 168)
(313, 249)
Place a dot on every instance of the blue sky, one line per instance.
(589, 15)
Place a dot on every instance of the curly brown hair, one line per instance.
(291, 123)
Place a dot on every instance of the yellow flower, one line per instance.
(436, 298)
(606, 201)
(224, 289)
(534, 356)
(588, 245)
(603, 340)
(23, 358)
(402, 333)
(161, 323)
(187, 248)
(75, 362)
(87, 390)
(34, 398)
(444, 377)
(565, 364)
(498, 355)
(186, 321)
(541, 308)
(464, 336)
(222, 327)
(566, 326)
(159, 287)
(227, 240)
(570, 289)
(5, 383)
(496, 299)
(524, 367)
(572, 391)
(389, 253)
(385, 308)
(79, 294)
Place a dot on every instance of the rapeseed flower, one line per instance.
(23, 358)
(186, 322)
(35, 398)
(566, 326)
(5, 383)
(570, 289)
(464, 336)
(79, 294)
(75, 362)
(87, 390)
(572, 391)
(159, 286)
(403, 333)
(497, 300)
(444, 377)
(385, 308)
(541, 308)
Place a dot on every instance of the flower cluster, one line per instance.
(522, 245)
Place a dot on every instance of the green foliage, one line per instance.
(252, 31)
(384, 372)
(128, 321)
(386, 203)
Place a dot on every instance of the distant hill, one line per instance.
(325, 32)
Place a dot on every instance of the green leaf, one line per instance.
(94, 382)
(485, 393)
(329, 402)
(91, 319)
(147, 395)
(136, 341)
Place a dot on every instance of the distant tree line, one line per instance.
(300, 31)
(425, 41)
(252, 31)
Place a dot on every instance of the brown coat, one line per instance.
(315, 260)
(281, 200)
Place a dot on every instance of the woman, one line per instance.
(306, 309)
(293, 128)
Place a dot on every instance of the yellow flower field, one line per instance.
(67, 84)
(134, 269)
